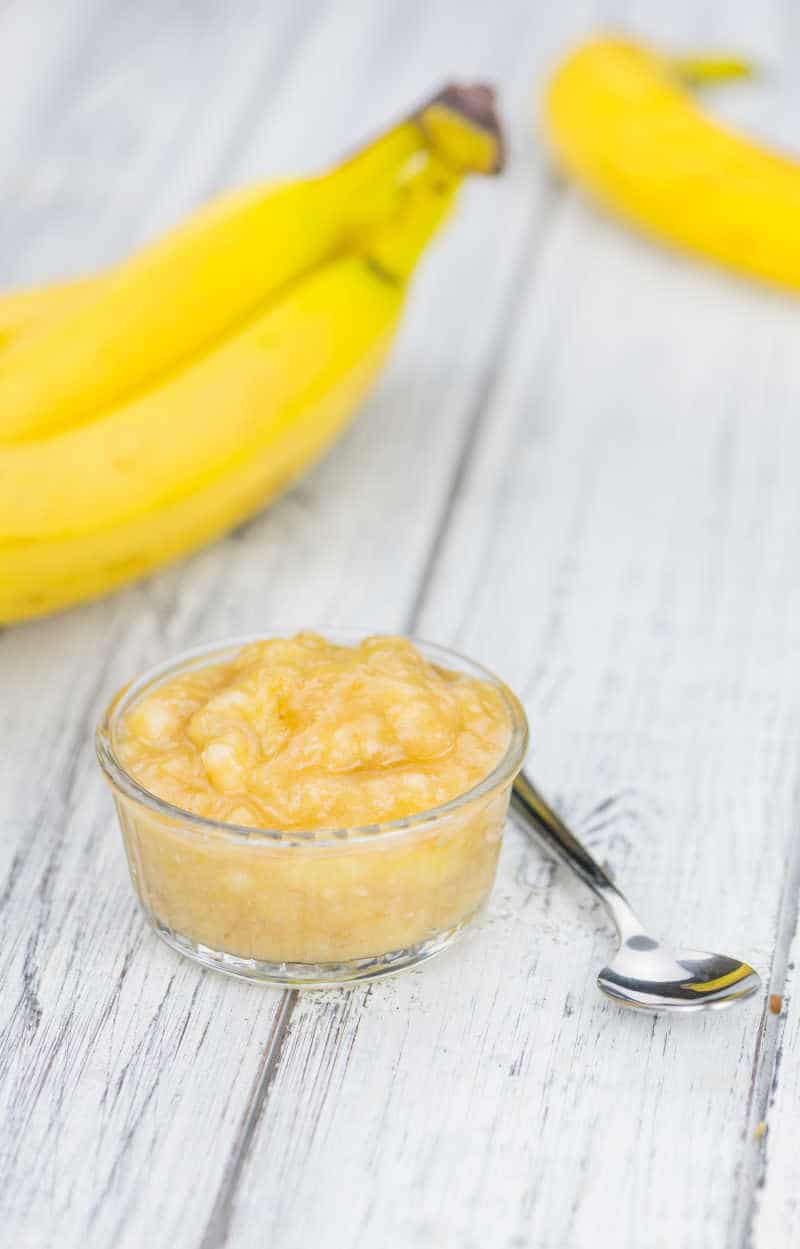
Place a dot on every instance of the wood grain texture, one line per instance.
(580, 467)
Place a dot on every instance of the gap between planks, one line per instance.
(218, 1226)
(766, 1061)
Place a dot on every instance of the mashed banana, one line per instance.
(303, 736)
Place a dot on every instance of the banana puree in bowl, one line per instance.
(311, 810)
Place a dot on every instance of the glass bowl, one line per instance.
(318, 908)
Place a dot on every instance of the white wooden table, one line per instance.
(582, 467)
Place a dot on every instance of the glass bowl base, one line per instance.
(313, 975)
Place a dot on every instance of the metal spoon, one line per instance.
(645, 974)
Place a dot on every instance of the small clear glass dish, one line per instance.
(317, 908)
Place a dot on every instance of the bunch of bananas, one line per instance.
(150, 408)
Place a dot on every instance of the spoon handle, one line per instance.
(540, 816)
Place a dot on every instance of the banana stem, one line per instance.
(463, 128)
(457, 128)
(459, 124)
(394, 247)
(696, 71)
(383, 158)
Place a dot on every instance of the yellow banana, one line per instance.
(437, 125)
(88, 508)
(20, 310)
(620, 121)
(26, 309)
(169, 303)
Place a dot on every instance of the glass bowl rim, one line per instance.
(120, 779)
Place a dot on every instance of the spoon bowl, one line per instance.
(650, 976)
